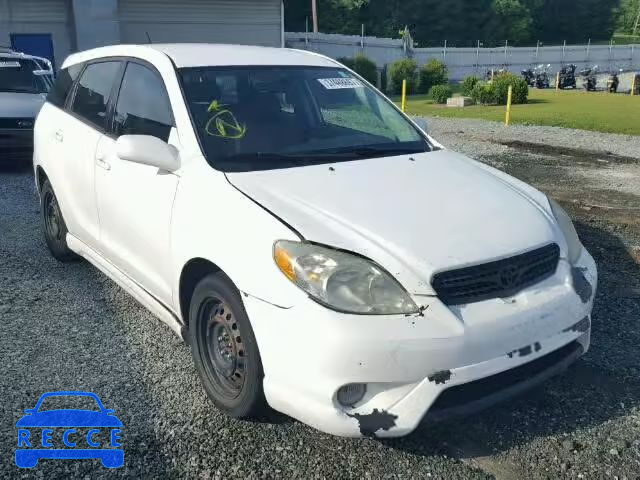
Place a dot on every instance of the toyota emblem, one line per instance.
(509, 276)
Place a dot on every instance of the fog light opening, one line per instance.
(350, 394)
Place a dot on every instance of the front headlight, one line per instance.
(341, 280)
(571, 236)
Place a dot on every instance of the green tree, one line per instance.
(627, 15)
(515, 20)
(463, 22)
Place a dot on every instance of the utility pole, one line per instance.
(314, 13)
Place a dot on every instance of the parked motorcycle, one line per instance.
(613, 83)
(529, 76)
(568, 76)
(542, 79)
(590, 82)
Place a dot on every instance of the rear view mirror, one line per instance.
(148, 150)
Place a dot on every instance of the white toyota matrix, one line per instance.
(318, 250)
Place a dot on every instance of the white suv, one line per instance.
(318, 250)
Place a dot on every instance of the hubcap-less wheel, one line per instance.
(224, 348)
(52, 218)
(53, 225)
(226, 357)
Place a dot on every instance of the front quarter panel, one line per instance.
(212, 220)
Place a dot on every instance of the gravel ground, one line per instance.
(69, 327)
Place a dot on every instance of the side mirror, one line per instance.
(422, 124)
(148, 150)
(29, 411)
(109, 411)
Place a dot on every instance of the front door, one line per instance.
(134, 200)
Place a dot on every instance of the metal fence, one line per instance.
(462, 62)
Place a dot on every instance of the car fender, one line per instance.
(214, 221)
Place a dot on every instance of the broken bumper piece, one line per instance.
(441, 362)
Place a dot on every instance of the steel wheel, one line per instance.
(52, 216)
(226, 357)
(224, 348)
(53, 225)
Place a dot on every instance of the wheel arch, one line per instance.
(192, 272)
(41, 176)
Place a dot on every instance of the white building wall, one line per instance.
(39, 16)
(253, 22)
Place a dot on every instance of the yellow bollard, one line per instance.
(508, 117)
(404, 94)
(558, 82)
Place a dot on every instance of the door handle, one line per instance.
(58, 135)
(102, 163)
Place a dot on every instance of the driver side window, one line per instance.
(143, 104)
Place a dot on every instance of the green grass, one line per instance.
(603, 112)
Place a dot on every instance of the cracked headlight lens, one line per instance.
(571, 236)
(342, 281)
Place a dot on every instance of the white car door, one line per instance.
(135, 200)
(78, 133)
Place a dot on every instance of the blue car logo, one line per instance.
(69, 433)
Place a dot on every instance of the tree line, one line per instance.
(463, 22)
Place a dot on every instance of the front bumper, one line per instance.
(444, 361)
(16, 145)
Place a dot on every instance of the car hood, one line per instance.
(69, 418)
(20, 105)
(414, 215)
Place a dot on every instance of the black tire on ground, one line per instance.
(224, 348)
(53, 225)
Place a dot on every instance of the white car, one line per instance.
(23, 88)
(317, 249)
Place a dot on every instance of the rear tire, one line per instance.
(224, 348)
(53, 225)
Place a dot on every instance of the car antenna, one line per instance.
(148, 37)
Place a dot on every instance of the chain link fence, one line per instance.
(462, 62)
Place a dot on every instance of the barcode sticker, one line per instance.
(9, 64)
(337, 83)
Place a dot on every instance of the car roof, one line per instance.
(210, 54)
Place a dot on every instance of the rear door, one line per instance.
(135, 201)
(79, 132)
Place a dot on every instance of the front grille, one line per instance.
(17, 123)
(499, 279)
(466, 394)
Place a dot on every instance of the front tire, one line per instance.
(224, 348)
(53, 225)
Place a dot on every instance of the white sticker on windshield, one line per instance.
(337, 83)
(9, 64)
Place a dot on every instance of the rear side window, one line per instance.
(58, 94)
(92, 94)
(143, 104)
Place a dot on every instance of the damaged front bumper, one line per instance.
(444, 361)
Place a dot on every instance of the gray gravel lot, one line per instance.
(69, 327)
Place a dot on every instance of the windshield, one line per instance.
(257, 118)
(16, 75)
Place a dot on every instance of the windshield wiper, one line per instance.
(376, 151)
